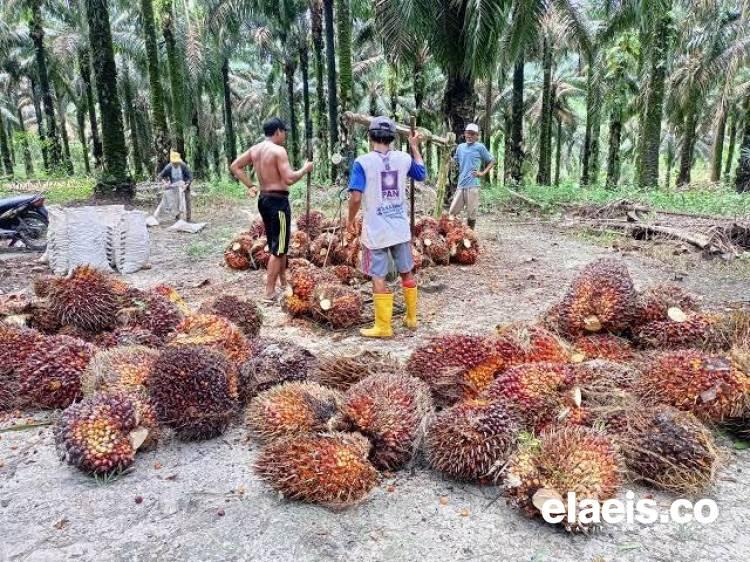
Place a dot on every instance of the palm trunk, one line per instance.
(67, 161)
(717, 152)
(516, 134)
(558, 151)
(507, 133)
(213, 137)
(420, 86)
(200, 161)
(4, 149)
(590, 157)
(344, 51)
(81, 121)
(730, 150)
(487, 119)
(130, 119)
(304, 63)
(316, 17)
(176, 80)
(36, 30)
(545, 140)
(670, 158)
(688, 144)
(28, 163)
(459, 102)
(615, 138)
(742, 179)
(230, 142)
(115, 178)
(333, 106)
(289, 70)
(158, 117)
(392, 83)
(84, 63)
(648, 174)
(40, 124)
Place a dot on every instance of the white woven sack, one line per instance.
(58, 244)
(131, 242)
(88, 235)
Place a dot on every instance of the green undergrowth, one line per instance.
(56, 191)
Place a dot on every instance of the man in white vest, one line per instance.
(378, 185)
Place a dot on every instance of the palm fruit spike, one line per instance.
(122, 369)
(173, 296)
(339, 306)
(425, 223)
(257, 229)
(600, 299)
(392, 411)
(42, 318)
(343, 371)
(277, 362)
(570, 459)
(236, 257)
(534, 392)
(149, 310)
(552, 319)
(457, 367)
(448, 223)
(655, 303)
(418, 258)
(193, 391)
(85, 299)
(731, 329)
(298, 245)
(471, 440)
(528, 343)
(259, 254)
(17, 344)
(214, 332)
(435, 247)
(329, 469)
(101, 434)
(666, 448)
(346, 251)
(311, 224)
(321, 249)
(133, 335)
(292, 408)
(681, 331)
(43, 284)
(709, 386)
(602, 346)
(603, 384)
(464, 246)
(243, 313)
(51, 376)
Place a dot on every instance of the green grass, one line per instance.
(717, 201)
(56, 191)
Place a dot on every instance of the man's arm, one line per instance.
(289, 176)
(164, 174)
(238, 171)
(486, 157)
(417, 169)
(357, 182)
(186, 174)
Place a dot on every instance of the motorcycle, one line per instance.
(25, 219)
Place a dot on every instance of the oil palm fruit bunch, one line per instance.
(662, 301)
(149, 310)
(86, 299)
(435, 247)
(298, 244)
(243, 313)
(294, 264)
(173, 296)
(339, 306)
(667, 448)
(133, 335)
(275, 363)
(418, 257)
(43, 284)
(426, 223)
(529, 343)
(456, 366)
(604, 385)
(569, 459)
(322, 248)
(347, 250)
(292, 408)
(601, 298)
(43, 318)
(121, 369)
(710, 386)
(257, 228)
(391, 410)
(101, 434)
(471, 440)
(194, 391)
(214, 332)
(346, 274)
(464, 245)
(330, 469)
(345, 370)
(602, 346)
(236, 254)
(51, 376)
(259, 254)
(535, 392)
(311, 224)
(17, 344)
(552, 319)
(679, 331)
(448, 223)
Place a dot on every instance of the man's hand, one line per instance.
(253, 191)
(308, 167)
(477, 174)
(351, 227)
(415, 138)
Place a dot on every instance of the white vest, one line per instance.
(384, 212)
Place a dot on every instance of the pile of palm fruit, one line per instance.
(610, 386)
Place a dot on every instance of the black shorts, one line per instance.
(277, 217)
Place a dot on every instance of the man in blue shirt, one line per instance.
(378, 185)
(474, 162)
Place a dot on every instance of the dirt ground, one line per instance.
(201, 501)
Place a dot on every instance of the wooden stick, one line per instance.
(413, 126)
(308, 192)
(403, 130)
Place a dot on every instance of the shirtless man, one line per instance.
(275, 175)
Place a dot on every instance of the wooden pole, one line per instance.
(413, 126)
(403, 130)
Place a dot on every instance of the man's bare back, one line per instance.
(266, 157)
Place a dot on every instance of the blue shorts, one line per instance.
(375, 262)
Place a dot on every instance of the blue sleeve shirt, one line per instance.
(471, 158)
(357, 179)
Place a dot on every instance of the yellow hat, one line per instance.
(174, 157)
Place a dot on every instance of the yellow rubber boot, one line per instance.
(383, 315)
(410, 297)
